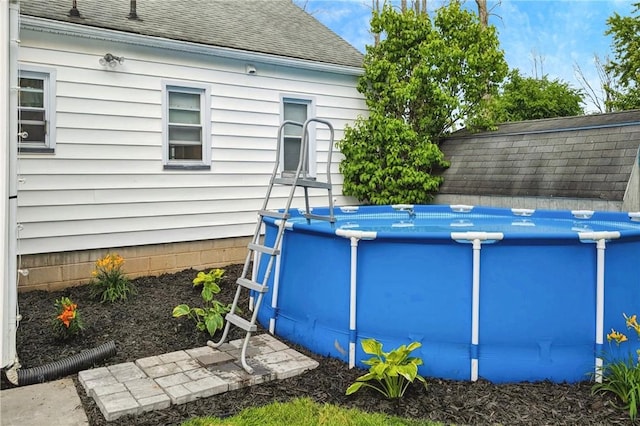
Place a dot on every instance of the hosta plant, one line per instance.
(210, 317)
(209, 280)
(390, 373)
(67, 322)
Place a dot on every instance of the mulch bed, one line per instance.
(143, 326)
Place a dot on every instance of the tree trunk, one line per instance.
(483, 13)
(375, 4)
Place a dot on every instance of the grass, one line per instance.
(305, 412)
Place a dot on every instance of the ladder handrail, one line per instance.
(254, 247)
(304, 153)
(276, 165)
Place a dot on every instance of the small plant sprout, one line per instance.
(210, 317)
(390, 373)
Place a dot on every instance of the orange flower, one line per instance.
(618, 337)
(110, 262)
(632, 322)
(68, 315)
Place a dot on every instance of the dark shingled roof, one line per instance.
(577, 157)
(276, 27)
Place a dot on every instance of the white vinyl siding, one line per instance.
(36, 110)
(186, 126)
(107, 185)
(298, 110)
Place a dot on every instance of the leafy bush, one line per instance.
(390, 372)
(426, 76)
(210, 317)
(387, 162)
(109, 283)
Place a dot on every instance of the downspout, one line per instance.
(476, 238)
(8, 145)
(600, 239)
(355, 237)
(4, 187)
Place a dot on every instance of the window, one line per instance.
(298, 110)
(187, 126)
(36, 111)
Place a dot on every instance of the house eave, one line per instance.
(103, 34)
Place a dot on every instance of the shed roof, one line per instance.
(577, 157)
(276, 27)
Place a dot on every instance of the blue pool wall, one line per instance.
(537, 295)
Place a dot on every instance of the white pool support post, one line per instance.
(274, 296)
(475, 309)
(276, 280)
(355, 237)
(254, 273)
(600, 239)
(476, 238)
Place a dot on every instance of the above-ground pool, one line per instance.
(507, 295)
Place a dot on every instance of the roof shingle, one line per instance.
(577, 157)
(276, 27)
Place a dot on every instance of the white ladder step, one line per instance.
(271, 213)
(302, 182)
(241, 323)
(319, 217)
(252, 285)
(263, 249)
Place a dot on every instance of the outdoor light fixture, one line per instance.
(111, 61)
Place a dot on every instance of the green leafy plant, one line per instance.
(622, 377)
(209, 317)
(390, 373)
(209, 279)
(68, 322)
(623, 85)
(109, 283)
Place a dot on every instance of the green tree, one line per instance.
(424, 77)
(527, 98)
(626, 63)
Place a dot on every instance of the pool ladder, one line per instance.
(299, 178)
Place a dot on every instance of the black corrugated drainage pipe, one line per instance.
(61, 368)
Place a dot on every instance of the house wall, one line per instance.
(56, 271)
(105, 185)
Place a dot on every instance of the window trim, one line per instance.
(48, 75)
(205, 115)
(311, 109)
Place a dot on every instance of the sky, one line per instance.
(549, 37)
